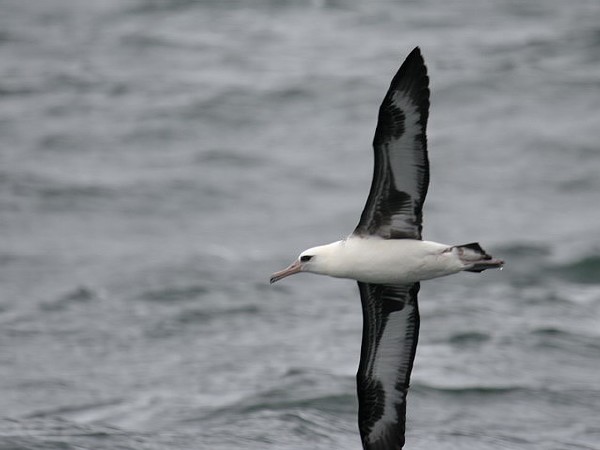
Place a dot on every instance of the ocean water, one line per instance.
(160, 159)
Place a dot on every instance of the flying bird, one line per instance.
(388, 258)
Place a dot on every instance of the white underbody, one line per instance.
(376, 260)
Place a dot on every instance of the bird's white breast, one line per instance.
(376, 260)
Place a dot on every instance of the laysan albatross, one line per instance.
(387, 257)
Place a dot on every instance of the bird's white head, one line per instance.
(321, 259)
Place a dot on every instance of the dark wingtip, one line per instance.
(415, 56)
(416, 52)
(412, 76)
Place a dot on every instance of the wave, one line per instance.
(302, 390)
(467, 390)
(324, 403)
(174, 294)
(228, 157)
(159, 6)
(203, 315)
(53, 193)
(471, 337)
(59, 433)
(80, 294)
(166, 6)
(531, 262)
(524, 250)
(179, 322)
(15, 90)
(585, 270)
(554, 337)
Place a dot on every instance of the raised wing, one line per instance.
(389, 343)
(401, 173)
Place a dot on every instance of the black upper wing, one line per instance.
(401, 174)
(389, 343)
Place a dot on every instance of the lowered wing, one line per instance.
(389, 343)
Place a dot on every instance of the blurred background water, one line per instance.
(159, 159)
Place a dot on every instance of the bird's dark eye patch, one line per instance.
(305, 258)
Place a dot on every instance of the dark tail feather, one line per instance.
(476, 259)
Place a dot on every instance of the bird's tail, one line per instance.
(476, 259)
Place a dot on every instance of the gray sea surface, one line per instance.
(160, 159)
